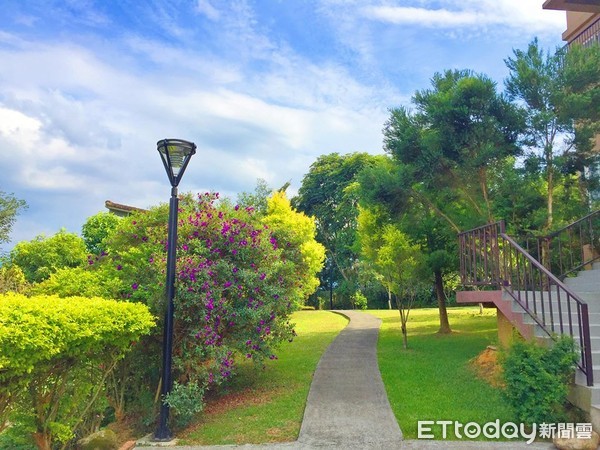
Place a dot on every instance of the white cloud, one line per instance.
(84, 122)
(206, 8)
(512, 14)
(81, 110)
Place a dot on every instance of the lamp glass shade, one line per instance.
(175, 154)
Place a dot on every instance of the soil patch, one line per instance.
(486, 366)
(222, 403)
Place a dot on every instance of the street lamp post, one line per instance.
(176, 155)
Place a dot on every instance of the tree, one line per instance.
(55, 356)
(10, 207)
(42, 256)
(369, 241)
(403, 263)
(440, 178)
(328, 193)
(240, 274)
(257, 199)
(580, 100)
(396, 262)
(96, 229)
(296, 232)
(12, 279)
(460, 132)
(536, 81)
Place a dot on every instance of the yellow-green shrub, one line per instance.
(60, 351)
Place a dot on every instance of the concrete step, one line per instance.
(594, 328)
(581, 380)
(585, 286)
(592, 299)
(592, 273)
(554, 294)
(594, 339)
(593, 315)
(585, 274)
(591, 276)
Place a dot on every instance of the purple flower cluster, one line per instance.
(232, 285)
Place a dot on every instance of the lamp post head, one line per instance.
(176, 155)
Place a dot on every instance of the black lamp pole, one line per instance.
(176, 155)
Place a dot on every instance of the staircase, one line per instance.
(587, 286)
(541, 303)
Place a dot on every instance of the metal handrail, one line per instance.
(573, 247)
(489, 257)
(590, 34)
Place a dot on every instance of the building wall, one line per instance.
(582, 25)
(584, 28)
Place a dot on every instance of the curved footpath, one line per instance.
(347, 406)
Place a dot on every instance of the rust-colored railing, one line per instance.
(489, 257)
(573, 247)
(589, 35)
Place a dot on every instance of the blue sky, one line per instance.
(262, 87)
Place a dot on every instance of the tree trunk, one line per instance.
(331, 285)
(484, 190)
(550, 179)
(389, 299)
(441, 298)
(550, 199)
(42, 440)
(403, 321)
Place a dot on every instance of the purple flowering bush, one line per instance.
(236, 286)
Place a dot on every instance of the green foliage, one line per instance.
(42, 256)
(187, 400)
(329, 194)
(257, 199)
(96, 229)
(12, 279)
(440, 178)
(359, 301)
(581, 103)
(580, 97)
(537, 379)
(395, 262)
(78, 281)
(240, 273)
(538, 80)
(298, 232)
(10, 207)
(55, 355)
(447, 148)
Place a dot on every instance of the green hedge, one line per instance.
(537, 379)
(55, 355)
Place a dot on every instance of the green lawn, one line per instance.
(431, 380)
(268, 405)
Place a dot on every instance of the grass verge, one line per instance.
(267, 405)
(432, 380)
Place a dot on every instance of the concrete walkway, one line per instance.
(347, 406)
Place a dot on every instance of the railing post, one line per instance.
(587, 345)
